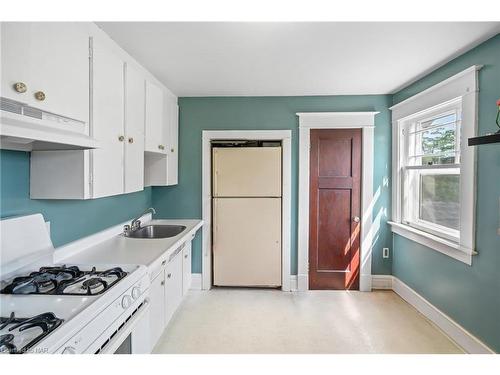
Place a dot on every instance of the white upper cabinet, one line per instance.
(134, 129)
(155, 134)
(107, 121)
(173, 158)
(51, 60)
(86, 76)
(160, 169)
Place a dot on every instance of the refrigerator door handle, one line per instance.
(215, 173)
(214, 225)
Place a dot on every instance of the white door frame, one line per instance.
(337, 120)
(285, 136)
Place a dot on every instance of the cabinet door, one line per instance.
(154, 119)
(107, 122)
(186, 268)
(134, 130)
(173, 286)
(157, 308)
(52, 57)
(173, 158)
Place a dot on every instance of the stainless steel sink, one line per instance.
(156, 231)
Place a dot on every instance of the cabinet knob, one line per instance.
(40, 95)
(20, 87)
(121, 138)
(162, 282)
(164, 262)
(185, 256)
(355, 219)
(161, 147)
(169, 276)
(171, 150)
(131, 140)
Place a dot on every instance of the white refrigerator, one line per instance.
(246, 209)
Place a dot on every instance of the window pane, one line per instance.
(439, 199)
(438, 142)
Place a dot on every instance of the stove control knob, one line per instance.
(136, 292)
(69, 350)
(126, 301)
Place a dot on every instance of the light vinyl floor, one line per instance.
(226, 320)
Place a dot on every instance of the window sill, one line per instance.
(433, 242)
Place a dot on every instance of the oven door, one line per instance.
(133, 337)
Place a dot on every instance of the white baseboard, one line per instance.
(302, 282)
(195, 281)
(365, 283)
(455, 331)
(382, 282)
(293, 283)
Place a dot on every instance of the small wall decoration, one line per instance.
(498, 115)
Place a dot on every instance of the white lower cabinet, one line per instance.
(168, 288)
(173, 286)
(157, 308)
(186, 268)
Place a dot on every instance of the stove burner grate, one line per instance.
(55, 280)
(47, 322)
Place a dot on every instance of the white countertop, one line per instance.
(122, 250)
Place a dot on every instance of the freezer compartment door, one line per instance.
(246, 171)
(247, 242)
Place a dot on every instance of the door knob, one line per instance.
(355, 219)
(40, 95)
(20, 87)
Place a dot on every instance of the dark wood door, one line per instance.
(334, 208)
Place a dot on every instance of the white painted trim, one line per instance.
(283, 135)
(382, 282)
(455, 331)
(337, 120)
(463, 338)
(293, 283)
(195, 281)
(328, 120)
(463, 86)
(454, 88)
(431, 241)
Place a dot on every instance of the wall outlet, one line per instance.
(385, 252)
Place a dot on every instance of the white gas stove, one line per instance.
(61, 308)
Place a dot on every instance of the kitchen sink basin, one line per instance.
(156, 231)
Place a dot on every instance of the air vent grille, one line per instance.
(33, 112)
(11, 106)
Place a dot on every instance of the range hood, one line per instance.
(24, 128)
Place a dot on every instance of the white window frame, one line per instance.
(461, 88)
(409, 211)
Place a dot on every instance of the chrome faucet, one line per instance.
(136, 223)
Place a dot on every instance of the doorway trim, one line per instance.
(285, 136)
(337, 120)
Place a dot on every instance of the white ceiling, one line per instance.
(247, 59)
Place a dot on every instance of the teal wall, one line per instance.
(470, 295)
(69, 219)
(217, 113)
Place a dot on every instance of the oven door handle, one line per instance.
(113, 344)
